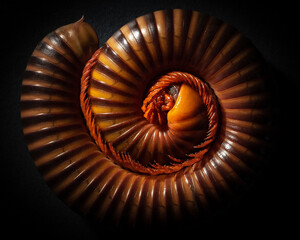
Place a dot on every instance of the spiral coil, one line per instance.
(102, 164)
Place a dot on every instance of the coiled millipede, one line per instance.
(166, 119)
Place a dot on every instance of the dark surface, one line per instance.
(30, 209)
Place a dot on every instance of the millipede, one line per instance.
(160, 124)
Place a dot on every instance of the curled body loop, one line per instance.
(163, 122)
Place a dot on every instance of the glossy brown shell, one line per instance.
(91, 182)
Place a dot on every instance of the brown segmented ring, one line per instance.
(164, 120)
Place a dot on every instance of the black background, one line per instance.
(29, 208)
